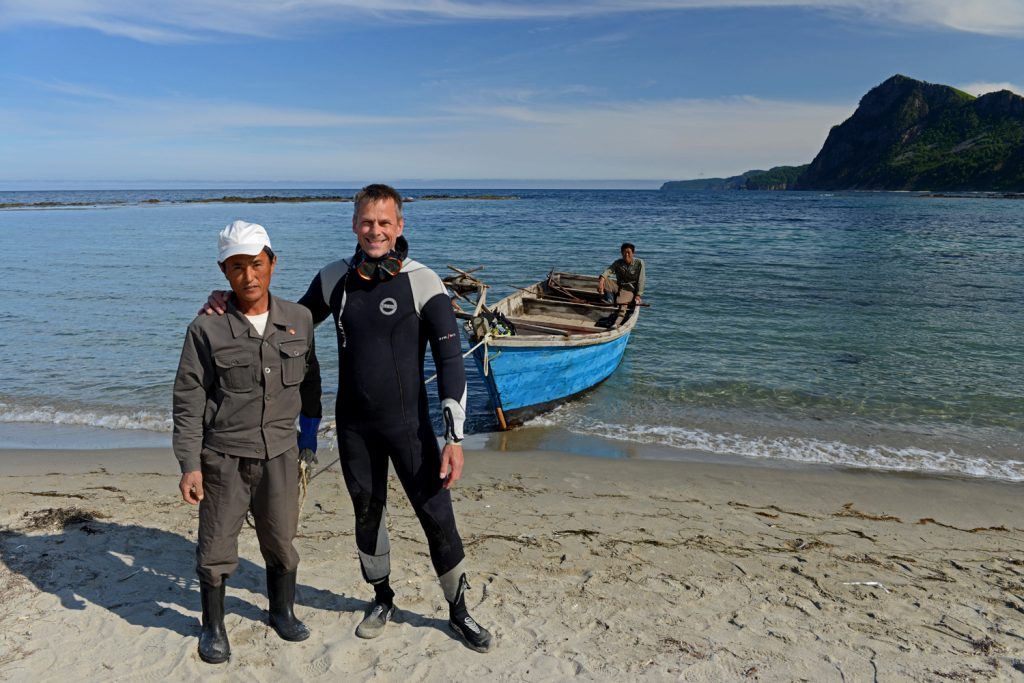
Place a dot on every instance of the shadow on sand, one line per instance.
(144, 575)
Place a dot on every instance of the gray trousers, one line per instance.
(615, 295)
(231, 487)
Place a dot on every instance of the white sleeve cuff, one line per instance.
(454, 419)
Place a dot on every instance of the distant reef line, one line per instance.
(909, 136)
(232, 199)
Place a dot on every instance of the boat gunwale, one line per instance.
(504, 306)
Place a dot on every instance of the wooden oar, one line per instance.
(466, 273)
(609, 306)
(585, 305)
(541, 328)
(563, 290)
(462, 296)
(525, 326)
(571, 329)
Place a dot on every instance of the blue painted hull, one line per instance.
(524, 381)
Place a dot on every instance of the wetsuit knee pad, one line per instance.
(369, 513)
(438, 521)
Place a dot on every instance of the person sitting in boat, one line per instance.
(629, 273)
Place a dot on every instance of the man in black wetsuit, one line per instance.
(386, 309)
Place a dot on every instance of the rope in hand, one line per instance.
(305, 467)
(303, 482)
(306, 474)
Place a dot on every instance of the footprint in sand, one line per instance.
(318, 667)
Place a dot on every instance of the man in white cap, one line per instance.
(241, 382)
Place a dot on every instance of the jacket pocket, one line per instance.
(236, 371)
(293, 360)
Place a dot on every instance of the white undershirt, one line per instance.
(259, 321)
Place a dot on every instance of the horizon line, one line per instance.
(418, 183)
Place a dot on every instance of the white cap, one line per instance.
(241, 238)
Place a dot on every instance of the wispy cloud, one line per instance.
(988, 17)
(78, 110)
(157, 21)
(183, 117)
(666, 140)
(528, 95)
(671, 139)
(75, 90)
(982, 87)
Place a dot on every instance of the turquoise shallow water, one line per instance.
(874, 330)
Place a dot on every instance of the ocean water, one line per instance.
(883, 331)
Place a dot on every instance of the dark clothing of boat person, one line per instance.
(629, 275)
(387, 309)
(242, 380)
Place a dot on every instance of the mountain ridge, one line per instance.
(909, 135)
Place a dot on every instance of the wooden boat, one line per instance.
(544, 344)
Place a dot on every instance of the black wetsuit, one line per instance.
(384, 327)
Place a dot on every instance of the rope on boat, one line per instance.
(482, 342)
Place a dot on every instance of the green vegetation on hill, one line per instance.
(912, 135)
(908, 135)
(777, 178)
(732, 183)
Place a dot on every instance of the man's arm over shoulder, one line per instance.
(318, 295)
(192, 384)
(313, 300)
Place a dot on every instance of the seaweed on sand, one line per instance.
(60, 518)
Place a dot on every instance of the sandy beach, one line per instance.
(583, 567)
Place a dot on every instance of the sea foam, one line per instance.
(795, 449)
(142, 419)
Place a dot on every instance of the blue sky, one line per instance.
(322, 93)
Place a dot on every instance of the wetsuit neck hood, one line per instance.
(401, 252)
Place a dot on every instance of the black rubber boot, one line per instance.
(213, 639)
(281, 592)
(473, 634)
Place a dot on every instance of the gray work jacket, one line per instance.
(630, 278)
(238, 393)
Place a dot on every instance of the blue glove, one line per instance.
(308, 427)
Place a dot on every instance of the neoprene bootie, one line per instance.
(380, 612)
(473, 634)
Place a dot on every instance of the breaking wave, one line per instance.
(798, 449)
(85, 417)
